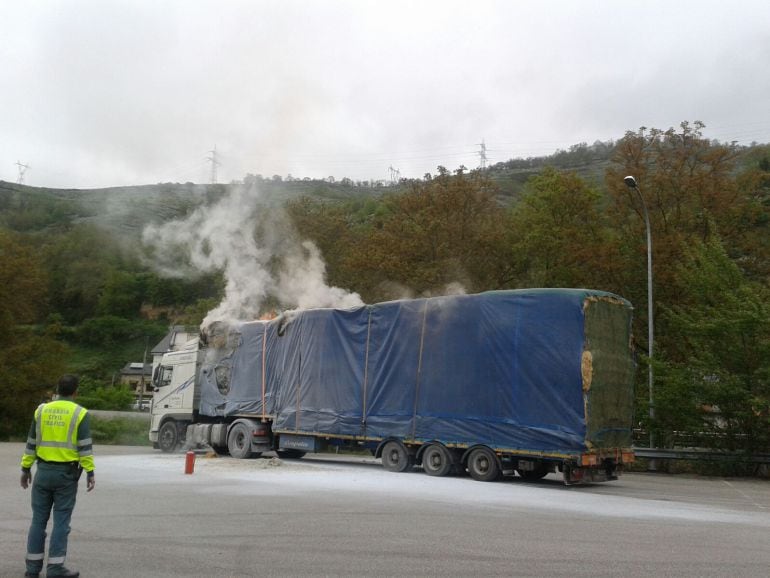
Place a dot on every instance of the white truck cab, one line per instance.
(176, 396)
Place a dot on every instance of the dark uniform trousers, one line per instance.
(54, 490)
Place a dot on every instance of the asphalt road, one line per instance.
(318, 517)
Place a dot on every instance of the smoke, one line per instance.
(257, 250)
(455, 288)
(301, 281)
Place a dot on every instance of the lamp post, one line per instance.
(631, 184)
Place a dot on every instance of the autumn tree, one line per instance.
(442, 230)
(30, 362)
(334, 228)
(559, 237)
(688, 185)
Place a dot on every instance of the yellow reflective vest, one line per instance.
(56, 435)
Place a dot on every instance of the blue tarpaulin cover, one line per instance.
(508, 369)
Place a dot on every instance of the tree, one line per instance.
(30, 363)
(721, 331)
(752, 248)
(123, 294)
(78, 263)
(559, 236)
(332, 227)
(94, 395)
(688, 186)
(690, 190)
(442, 230)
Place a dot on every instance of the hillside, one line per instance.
(127, 210)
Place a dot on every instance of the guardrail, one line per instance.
(699, 454)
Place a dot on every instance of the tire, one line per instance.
(436, 460)
(540, 471)
(290, 454)
(395, 458)
(483, 465)
(239, 441)
(168, 436)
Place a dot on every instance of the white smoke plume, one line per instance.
(257, 250)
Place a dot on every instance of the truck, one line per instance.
(493, 384)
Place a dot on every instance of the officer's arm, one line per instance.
(29, 456)
(86, 450)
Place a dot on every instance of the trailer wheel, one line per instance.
(395, 458)
(239, 441)
(436, 460)
(168, 436)
(483, 465)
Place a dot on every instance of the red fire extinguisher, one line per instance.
(189, 462)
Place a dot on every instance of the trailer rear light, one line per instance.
(257, 432)
(588, 460)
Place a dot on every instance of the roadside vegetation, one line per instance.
(119, 431)
(77, 296)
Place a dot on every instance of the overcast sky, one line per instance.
(99, 93)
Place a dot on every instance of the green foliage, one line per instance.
(22, 281)
(558, 234)
(94, 395)
(441, 231)
(122, 295)
(26, 209)
(119, 431)
(105, 331)
(30, 366)
(122, 341)
(164, 291)
(79, 263)
(31, 361)
(690, 191)
(194, 314)
(721, 357)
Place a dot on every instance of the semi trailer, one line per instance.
(492, 384)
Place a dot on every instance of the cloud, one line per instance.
(122, 93)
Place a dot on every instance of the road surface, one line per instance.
(349, 517)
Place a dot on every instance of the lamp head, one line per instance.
(630, 182)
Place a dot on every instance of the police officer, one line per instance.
(60, 441)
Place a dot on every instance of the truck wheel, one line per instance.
(483, 465)
(239, 441)
(395, 458)
(168, 436)
(436, 460)
(540, 471)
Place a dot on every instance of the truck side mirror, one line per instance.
(155, 375)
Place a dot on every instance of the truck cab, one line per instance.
(176, 397)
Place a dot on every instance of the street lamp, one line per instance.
(631, 184)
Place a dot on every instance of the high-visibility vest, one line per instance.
(57, 430)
